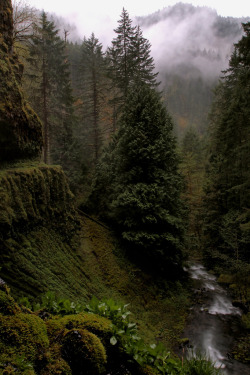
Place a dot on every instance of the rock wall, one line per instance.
(20, 127)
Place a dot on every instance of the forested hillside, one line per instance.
(191, 46)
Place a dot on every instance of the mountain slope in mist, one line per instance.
(197, 36)
(191, 46)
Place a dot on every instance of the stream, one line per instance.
(214, 323)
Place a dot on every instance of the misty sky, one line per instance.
(98, 15)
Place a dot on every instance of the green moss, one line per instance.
(7, 304)
(246, 320)
(225, 279)
(15, 365)
(23, 334)
(55, 363)
(95, 324)
(34, 194)
(241, 350)
(84, 352)
(147, 370)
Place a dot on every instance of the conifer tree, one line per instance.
(119, 55)
(143, 67)
(51, 95)
(228, 187)
(129, 61)
(193, 169)
(140, 170)
(92, 87)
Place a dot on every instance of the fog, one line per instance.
(184, 38)
(184, 35)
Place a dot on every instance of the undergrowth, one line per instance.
(125, 335)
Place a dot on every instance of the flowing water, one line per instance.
(214, 322)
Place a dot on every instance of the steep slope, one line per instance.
(37, 221)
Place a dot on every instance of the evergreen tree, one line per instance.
(129, 61)
(193, 169)
(51, 95)
(92, 87)
(143, 62)
(228, 186)
(140, 170)
(119, 55)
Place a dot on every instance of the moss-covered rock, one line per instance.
(20, 128)
(55, 364)
(84, 352)
(6, 23)
(93, 323)
(23, 333)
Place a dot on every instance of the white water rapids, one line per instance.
(214, 322)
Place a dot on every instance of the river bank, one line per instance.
(214, 323)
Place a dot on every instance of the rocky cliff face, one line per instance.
(20, 128)
(37, 215)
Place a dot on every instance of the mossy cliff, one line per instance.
(20, 128)
(38, 226)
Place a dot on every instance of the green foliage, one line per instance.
(51, 93)
(193, 169)
(54, 305)
(226, 204)
(92, 92)
(144, 186)
(199, 364)
(94, 341)
(129, 63)
(125, 333)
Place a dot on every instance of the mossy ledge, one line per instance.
(30, 196)
(38, 228)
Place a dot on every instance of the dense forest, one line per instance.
(113, 177)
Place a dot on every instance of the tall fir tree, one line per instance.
(51, 94)
(129, 61)
(92, 88)
(119, 55)
(140, 171)
(227, 219)
(143, 67)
